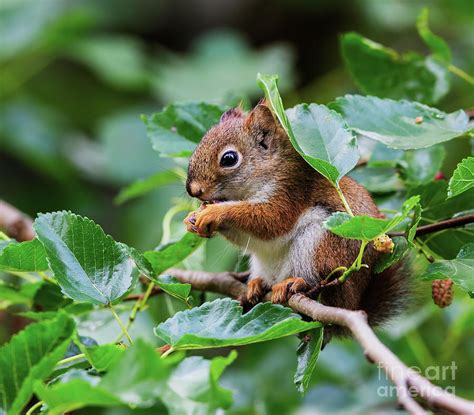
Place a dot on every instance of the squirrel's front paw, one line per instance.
(190, 222)
(208, 220)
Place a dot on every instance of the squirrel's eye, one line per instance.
(229, 159)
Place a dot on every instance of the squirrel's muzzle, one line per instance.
(194, 189)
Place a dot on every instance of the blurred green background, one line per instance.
(76, 75)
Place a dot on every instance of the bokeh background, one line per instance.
(76, 75)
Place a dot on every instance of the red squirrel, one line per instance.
(261, 195)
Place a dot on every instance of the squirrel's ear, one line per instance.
(232, 113)
(261, 119)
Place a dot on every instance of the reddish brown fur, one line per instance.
(286, 288)
(256, 290)
(297, 188)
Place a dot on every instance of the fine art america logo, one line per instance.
(433, 373)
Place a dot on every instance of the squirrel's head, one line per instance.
(238, 158)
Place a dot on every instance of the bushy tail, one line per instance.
(389, 292)
(386, 295)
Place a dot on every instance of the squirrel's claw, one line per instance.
(208, 220)
(190, 222)
(191, 226)
(255, 293)
(298, 285)
(282, 291)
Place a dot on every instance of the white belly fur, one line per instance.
(285, 256)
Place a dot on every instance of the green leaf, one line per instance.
(421, 166)
(5, 241)
(324, 140)
(10, 295)
(269, 85)
(307, 356)
(173, 287)
(138, 376)
(119, 60)
(460, 269)
(387, 260)
(413, 166)
(75, 373)
(50, 298)
(448, 243)
(40, 32)
(175, 131)
(27, 256)
(77, 393)
(30, 356)
(220, 65)
(144, 186)
(39, 315)
(167, 256)
(394, 123)
(220, 323)
(24, 295)
(377, 180)
(42, 150)
(384, 157)
(366, 228)
(193, 387)
(317, 133)
(434, 202)
(435, 208)
(438, 45)
(104, 356)
(77, 309)
(381, 71)
(73, 309)
(122, 136)
(88, 264)
(463, 177)
(411, 231)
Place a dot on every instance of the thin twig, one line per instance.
(343, 200)
(140, 304)
(439, 226)
(356, 265)
(71, 359)
(463, 75)
(405, 379)
(120, 323)
(36, 406)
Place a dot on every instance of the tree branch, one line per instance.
(406, 380)
(15, 223)
(439, 226)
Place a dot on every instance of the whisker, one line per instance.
(241, 256)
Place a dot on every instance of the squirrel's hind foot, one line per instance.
(256, 290)
(282, 291)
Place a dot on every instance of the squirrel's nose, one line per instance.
(194, 189)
